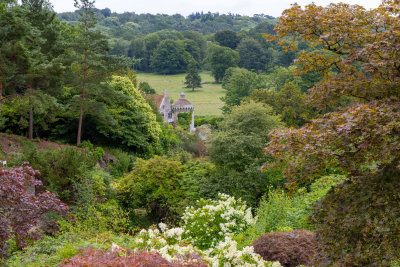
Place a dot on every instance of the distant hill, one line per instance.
(143, 24)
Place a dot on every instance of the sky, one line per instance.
(186, 7)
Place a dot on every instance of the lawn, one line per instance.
(206, 100)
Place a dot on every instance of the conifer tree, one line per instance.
(91, 63)
(193, 79)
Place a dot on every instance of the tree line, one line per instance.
(59, 81)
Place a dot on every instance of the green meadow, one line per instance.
(206, 99)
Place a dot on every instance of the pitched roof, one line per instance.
(182, 103)
(157, 99)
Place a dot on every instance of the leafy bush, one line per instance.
(123, 257)
(24, 205)
(291, 248)
(210, 221)
(171, 245)
(146, 88)
(250, 184)
(278, 210)
(93, 186)
(190, 142)
(119, 162)
(207, 120)
(358, 221)
(97, 218)
(195, 180)
(153, 185)
(60, 168)
(282, 210)
(97, 152)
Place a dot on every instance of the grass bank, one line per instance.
(206, 99)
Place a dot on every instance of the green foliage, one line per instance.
(169, 140)
(289, 102)
(358, 221)
(278, 210)
(93, 186)
(192, 78)
(153, 185)
(135, 123)
(241, 135)
(146, 88)
(97, 152)
(122, 163)
(252, 55)
(236, 149)
(15, 113)
(227, 38)
(52, 250)
(169, 57)
(211, 221)
(239, 83)
(97, 218)
(60, 168)
(221, 59)
(212, 121)
(196, 179)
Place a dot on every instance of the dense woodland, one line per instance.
(302, 168)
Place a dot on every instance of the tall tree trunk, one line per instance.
(78, 138)
(30, 135)
(1, 95)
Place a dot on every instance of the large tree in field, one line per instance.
(359, 60)
(192, 78)
(91, 64)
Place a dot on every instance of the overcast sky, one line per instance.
(186, 7)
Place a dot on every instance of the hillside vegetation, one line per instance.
(294, 160)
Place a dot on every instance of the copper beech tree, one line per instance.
(359, 56)
(358, 53)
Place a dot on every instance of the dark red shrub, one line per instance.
(289, 248)
(23, 206)
(90, 257)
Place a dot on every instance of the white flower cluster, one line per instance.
(226, 254)
(212, 220)
(213, 223)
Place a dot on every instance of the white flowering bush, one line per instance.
(171, 246)
(167, 242)
(226, 254)
(205, 236)
(212, 220)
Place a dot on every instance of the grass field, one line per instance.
(206, 100)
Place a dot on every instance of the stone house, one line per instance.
(170, 112)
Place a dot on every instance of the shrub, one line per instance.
(210, 221)
(93, 186)
(60, 168)
(212, 121)
(171, 245)
(24, 205)
(97, 218)
(153, 185)
(278, 210)
(358, 221)
(195, 180)
(123, 257)
(291, 248)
